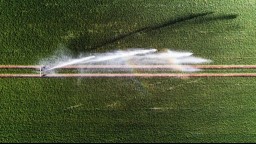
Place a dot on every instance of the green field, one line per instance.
(127, 109)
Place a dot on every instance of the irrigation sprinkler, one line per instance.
(40, 71)
(43, 71)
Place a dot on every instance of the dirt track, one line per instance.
(129, 75)
(132, 66)
(86, 75)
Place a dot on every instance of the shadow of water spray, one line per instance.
(216, 18)
(83, 43)
(80, 44)
(154, 27)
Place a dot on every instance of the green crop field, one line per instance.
(127, 109)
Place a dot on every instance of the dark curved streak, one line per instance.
(222, 17)
(171, 22)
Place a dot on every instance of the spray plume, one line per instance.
(135, 57)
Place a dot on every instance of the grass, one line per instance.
(127, 109)
(191, 110)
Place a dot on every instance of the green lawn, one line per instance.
(127, 109)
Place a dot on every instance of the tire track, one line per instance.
(94, 75)
(132, 66)
(144, 75)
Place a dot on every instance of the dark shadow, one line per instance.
(216, 18)
(156, 27)
(85, 43)
(178, 20)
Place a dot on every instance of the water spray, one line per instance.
(71, 62)
(120, 54)
(124, 58)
